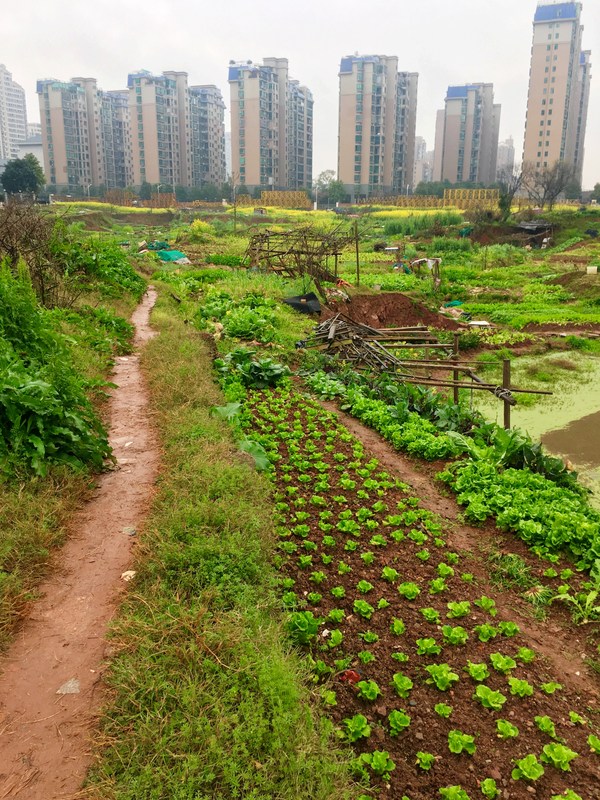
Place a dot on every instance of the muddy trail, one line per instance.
(51, 677)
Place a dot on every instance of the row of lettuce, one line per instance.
(496, 474)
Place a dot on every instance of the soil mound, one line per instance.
(389, 310)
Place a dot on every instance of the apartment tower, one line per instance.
(160, 120)
(377, 123)
(85, 135)
(506, 157)
(271, 126)
(207, 136)
(13, 116)
(559, 87)
(466, 135)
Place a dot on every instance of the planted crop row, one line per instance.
(421, 669)
(549, 517)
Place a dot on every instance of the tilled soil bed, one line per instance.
(402, 604)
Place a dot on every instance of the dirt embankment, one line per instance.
(50, 681)
(389, 310)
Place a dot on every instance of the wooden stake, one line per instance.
(506, 385)
(455, 375)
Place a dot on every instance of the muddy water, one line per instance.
(568, 422)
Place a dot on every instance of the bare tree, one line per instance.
(545, 184)
(510, 181)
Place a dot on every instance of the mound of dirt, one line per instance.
(389, 310)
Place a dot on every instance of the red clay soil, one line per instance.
(389, 310)
(45, 731)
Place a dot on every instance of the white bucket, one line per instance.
(592, 270)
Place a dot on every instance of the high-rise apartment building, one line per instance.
(271, 126)
(85, 135)
(377, 122)
(160, 128)
(207, 136)
(13, 116)
(423, 172)
(506, 157)
(559, 86)
(466, 136)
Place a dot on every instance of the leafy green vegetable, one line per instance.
(558, 756)
(398, 722)
(442, 710)
(528, 769)
(459, 742)
(356, 728)
(506, 730)
(441, 675)
(489, 698)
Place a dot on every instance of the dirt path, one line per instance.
(50, 686)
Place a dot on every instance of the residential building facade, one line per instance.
(466, 139)
(559, 86)
(85, 135)
(160, 136)
(377, 123)
(506, 157)
(13, 116)
(207, 136)
(271, 126)
(423, 172)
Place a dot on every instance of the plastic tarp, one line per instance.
(305, 303)
(170, 255)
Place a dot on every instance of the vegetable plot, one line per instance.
(425, 673)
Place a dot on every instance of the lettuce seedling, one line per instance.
(338, 592)
(369, 637)
(442, 676)
(409, 590)
(520, 688)
(576, 718)
(502, 663)
(459, 609)
(455, 635)
(364, 586)
(437, 586)
(431, 615)
(445, 570)
(428, 647)
(506, 730)
(453, 793)
(527, 769)
(363, 608)
(488, 698)
(489, 789)
(380, 762)
(487, 604)
(317, 577)
(390, 574)
(314, 598)
(568, 794)
(485, 632)
(479, 672)
(302, 626)
(402, 684)
(442, 710)
(550, 687)
(336, 638)
(356, 728)
(365, 656)
(594, 743)
(459, 742)
(558, 756)
(425, 760)
(398, 721)
(546, 726)
(397, 626)
(525, 655)
(368, 690)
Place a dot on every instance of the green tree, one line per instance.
(510, 181)
(23, 175)
(596, 193)
(145, 191)
(337, 192)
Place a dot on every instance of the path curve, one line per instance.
(45, 731)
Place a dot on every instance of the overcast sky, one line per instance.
(446, 42)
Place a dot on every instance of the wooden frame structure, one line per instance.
(301, 252)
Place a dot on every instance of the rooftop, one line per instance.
(557, 12)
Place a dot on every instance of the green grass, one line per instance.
(212, 701)
(33, 516)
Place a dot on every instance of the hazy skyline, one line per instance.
(446, 43)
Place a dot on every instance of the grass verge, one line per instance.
(207, 702)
